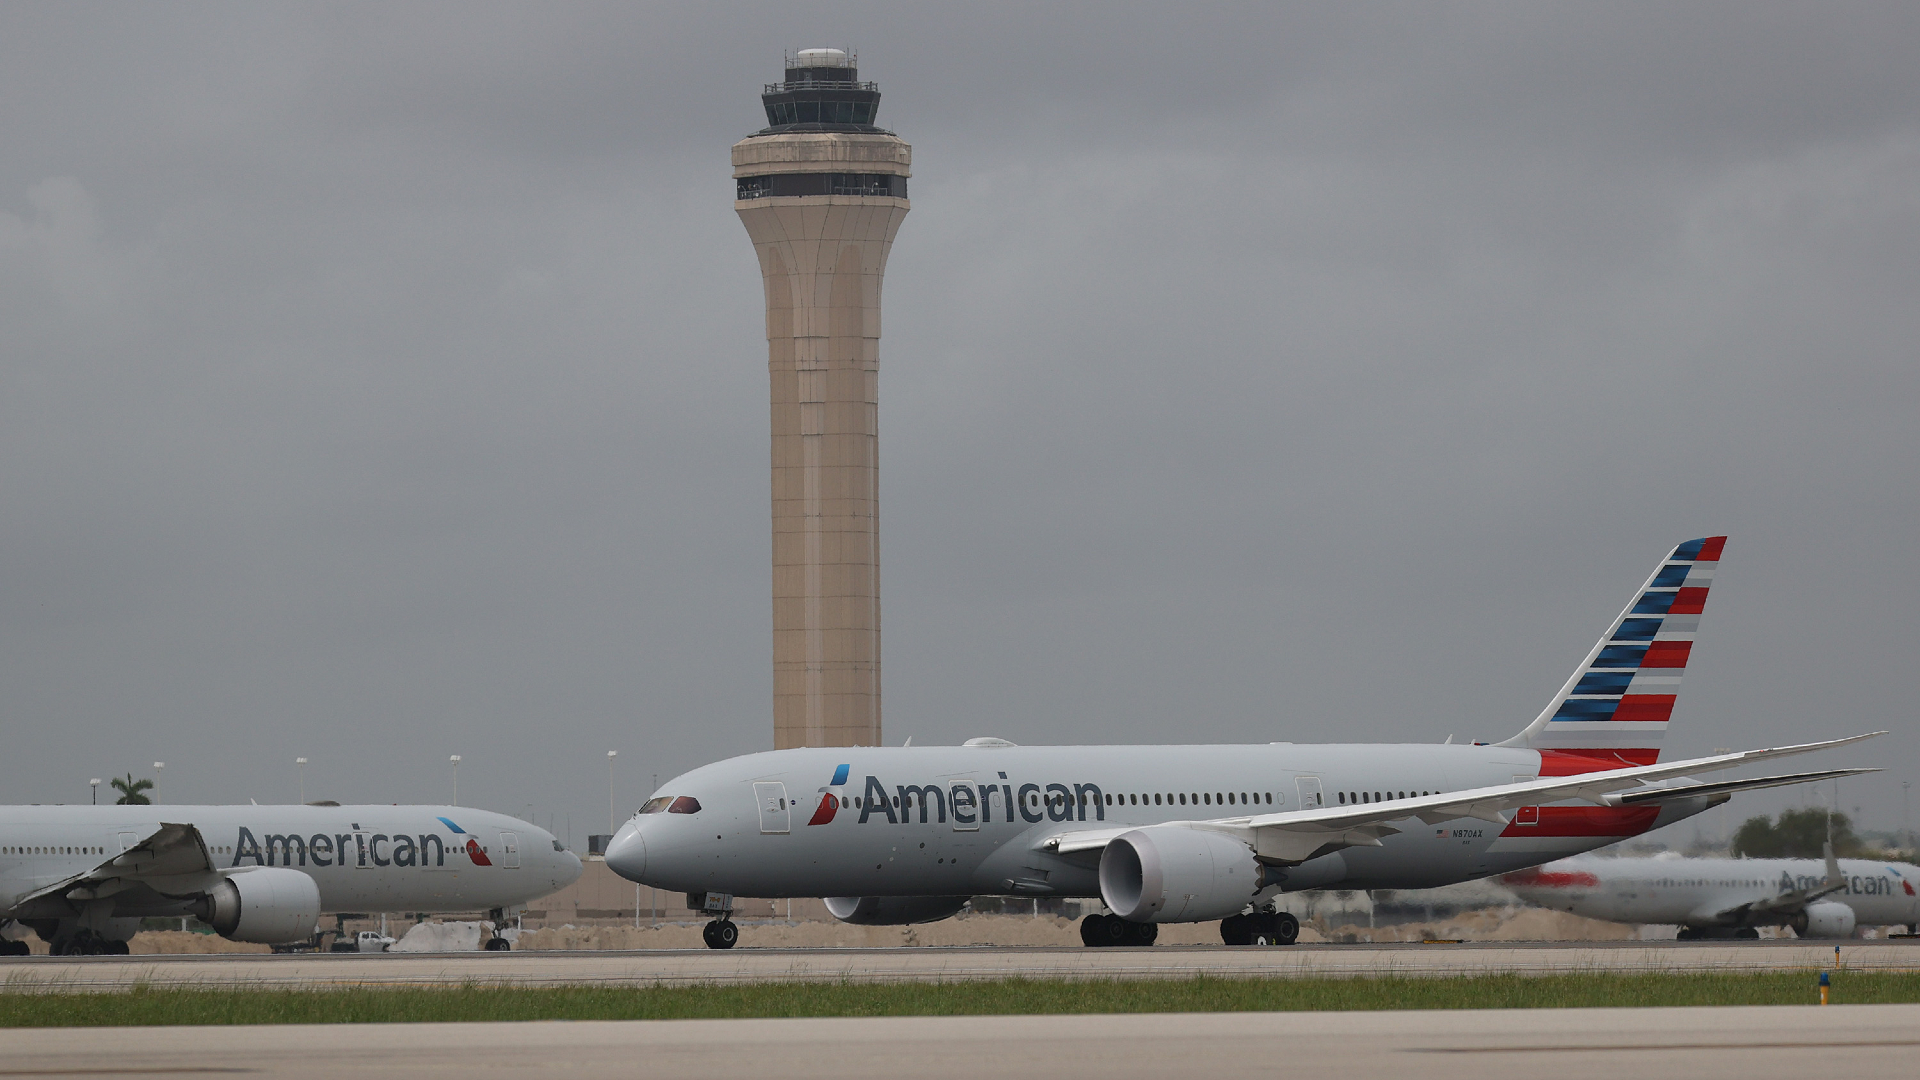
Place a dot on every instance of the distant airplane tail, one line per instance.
(1613, 711)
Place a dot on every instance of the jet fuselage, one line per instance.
(966, 820)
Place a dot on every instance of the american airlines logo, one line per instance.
(356, 848)
(1855, 885)
(967, 801)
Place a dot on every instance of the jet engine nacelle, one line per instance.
(1172, 873)
(894, 910)
(1827, 918)
(267, 906)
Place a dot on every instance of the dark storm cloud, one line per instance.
(383, 382)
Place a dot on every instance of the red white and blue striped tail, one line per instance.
(1616, 706)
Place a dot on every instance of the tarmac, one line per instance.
(748, 965)
(1860, 1042)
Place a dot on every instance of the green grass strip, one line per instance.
(368, 1005)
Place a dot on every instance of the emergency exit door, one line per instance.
(1311, 797)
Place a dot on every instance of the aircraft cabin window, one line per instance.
(1342, 796)
(1183, 799)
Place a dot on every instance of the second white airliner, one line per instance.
(1195, 833)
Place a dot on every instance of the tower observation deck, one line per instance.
(822, 191)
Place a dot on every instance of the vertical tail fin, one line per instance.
(1616, 705)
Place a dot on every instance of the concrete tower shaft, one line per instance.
(821, 201)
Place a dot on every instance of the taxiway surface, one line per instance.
(1859, 1042)
(936, 964)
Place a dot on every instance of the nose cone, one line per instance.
(627, 853)
(570, 868)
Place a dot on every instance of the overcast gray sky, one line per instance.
(386, 381)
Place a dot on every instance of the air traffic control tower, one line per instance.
(822, 192)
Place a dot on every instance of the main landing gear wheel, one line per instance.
(1260, 928)
(498, 944)
(15, 948)
(1687, 933)
(1281, 929)
(84, 943)
(1098, 931)
(721, 934)
(1746, 933)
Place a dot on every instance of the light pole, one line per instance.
(96, 790)
(157, 766)
(613, 806)
(300, 764)
(1906, 820)
(456, 778)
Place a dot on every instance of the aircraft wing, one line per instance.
(1790, 902)
(1653, 796)
(1298, 835)
(173, 860)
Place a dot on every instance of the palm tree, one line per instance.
(132, 791)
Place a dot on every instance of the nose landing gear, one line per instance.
(497, 943)
(720, 934)
(1260, 928)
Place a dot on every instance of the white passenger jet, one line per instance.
(1729, 898)
(1193, 833)
(82, 877)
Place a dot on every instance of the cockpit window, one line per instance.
(685, 804)
(656, 805)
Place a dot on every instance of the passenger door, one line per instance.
(775, 815)
(510, 850)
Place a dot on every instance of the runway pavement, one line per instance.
(1862, 1042)
(935, 964)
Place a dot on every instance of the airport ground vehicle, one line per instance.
(364, 941)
